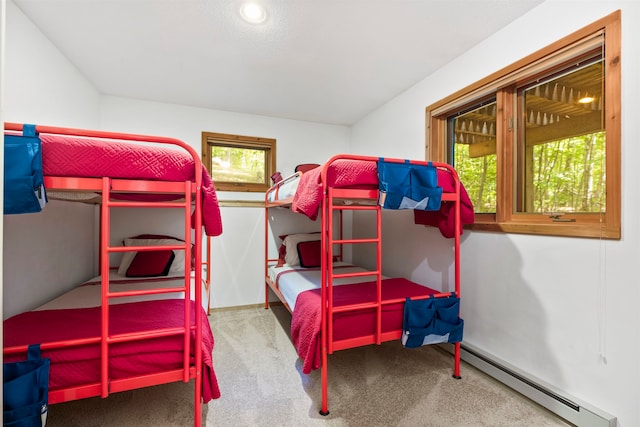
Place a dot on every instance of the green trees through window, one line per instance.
(569, 175)
(537, 145)
(239, 163)
(229, 164)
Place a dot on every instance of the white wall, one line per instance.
(562, 309)
(42, 87)
(296, 141)
(62, 97)
(238, 254)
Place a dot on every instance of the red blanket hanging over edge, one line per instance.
(73, 366)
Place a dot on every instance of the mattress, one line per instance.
(349, 329)
(89, 293)
(74, 366)
(294, 280)
(76, 315)
(70, 156)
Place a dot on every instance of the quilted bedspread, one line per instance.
(306, 318)
(78, 365)
(341, 173)
(444, 218)
(88, 157)
(364, 174)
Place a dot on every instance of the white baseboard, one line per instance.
(571, 409)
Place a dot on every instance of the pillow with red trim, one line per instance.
(151, 263)
(282, 250)
(177, 266)
(291, 243)
(310, 253)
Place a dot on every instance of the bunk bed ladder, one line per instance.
(328, 275)
(107, 386)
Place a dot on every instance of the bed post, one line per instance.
(456, 260)
(105, 232)
(266, 249)
(327, 264)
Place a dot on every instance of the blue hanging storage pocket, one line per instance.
(25, 390)
(24, 190)
(408, 186)
(432, 321)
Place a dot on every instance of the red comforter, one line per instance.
(364, 174)
(306, 319)
(88, 157)
(341, 173)
(74, 366)
(444, 218)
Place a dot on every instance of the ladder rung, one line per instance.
(143, 335)
(347, 241)
(358, 274)
(155, 291)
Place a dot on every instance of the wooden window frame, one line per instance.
(606, 225)
(210, 139)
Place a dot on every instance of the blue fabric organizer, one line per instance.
(432, 321)
(408, 186)
(24, 190)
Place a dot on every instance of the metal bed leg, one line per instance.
(456, 362)
(197, 410)
(325, 392)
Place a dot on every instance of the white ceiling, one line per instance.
(327, 61)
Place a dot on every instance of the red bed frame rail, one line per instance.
(329, 245)
(191, 194)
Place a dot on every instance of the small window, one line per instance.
(537, 145)
(239, 163)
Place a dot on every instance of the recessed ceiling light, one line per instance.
(253, 13)
(586, 99)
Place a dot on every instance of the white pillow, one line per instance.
(177, 266)
(291, 244)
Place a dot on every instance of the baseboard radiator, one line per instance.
(569, 408)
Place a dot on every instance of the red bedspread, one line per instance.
(341, 173)
(444, 218)
(364, 174)
(306, 319)
(74, 366)
(88, 157)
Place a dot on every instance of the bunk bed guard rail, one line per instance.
(404, 185)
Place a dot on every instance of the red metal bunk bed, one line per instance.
(119, 346)
(363, 313)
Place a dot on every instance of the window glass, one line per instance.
(232, 164)
(562, 161)
(239, 163)
(472, 146)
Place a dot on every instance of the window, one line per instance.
(239, 163)
(537, 144)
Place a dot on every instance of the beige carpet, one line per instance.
(262, 385)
